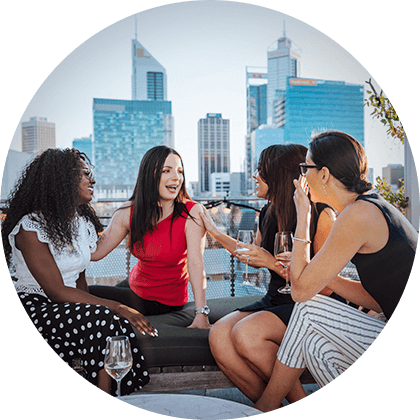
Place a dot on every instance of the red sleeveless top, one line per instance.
(161, 273)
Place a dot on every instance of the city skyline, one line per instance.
(196, 85)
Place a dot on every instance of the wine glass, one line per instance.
(246, 237)
(118, 359)
(283, 252)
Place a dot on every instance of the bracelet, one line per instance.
(302, 240)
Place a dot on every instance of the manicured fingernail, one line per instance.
(143, 333)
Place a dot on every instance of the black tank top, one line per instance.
(277, 281)
(385, 273)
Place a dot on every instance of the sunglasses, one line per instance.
(87, 172)
(304, 168)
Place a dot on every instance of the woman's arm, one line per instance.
(116, 231)
(42, 266)
(259, 257)
(226, 241)
(350, 232)
(81, 282)
(195, 235)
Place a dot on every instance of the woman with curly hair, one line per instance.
(49, 233)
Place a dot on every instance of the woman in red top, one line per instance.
(164, 228)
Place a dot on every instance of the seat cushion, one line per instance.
(178, 345)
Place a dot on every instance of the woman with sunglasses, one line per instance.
(245, 342)
(324, 335)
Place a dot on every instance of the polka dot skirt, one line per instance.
(79, 331)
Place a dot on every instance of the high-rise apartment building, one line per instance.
(213, 148)
(123, 132)
(148, 79)
(37, 135)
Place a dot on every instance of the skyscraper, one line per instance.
(256, 114)
(148, 79)
(256, 98)
(213, 148)
(283, 60)
(310, 106)
(37, 135)
(123, 132)
(85, 145)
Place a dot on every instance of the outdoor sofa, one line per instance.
(180, 357)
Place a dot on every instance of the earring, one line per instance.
(325, 190)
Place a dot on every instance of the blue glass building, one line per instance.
(310, 106)
(85, 145)
(123, 132)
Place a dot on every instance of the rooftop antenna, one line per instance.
(135, 17)
(284, 28)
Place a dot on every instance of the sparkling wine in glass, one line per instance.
(118, 359)
(245, 237)
(283, 252)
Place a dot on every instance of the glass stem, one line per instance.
(119, 388)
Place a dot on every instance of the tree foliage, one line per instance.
(383, 110)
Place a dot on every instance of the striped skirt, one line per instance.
(327, 337)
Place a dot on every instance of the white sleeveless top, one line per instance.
(71, 261)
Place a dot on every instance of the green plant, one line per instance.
(398, 199)
(383, 110)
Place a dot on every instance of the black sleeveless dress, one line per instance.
(384, 274)
(275, 302)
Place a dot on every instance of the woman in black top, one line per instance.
(324, 335)
(245, 342)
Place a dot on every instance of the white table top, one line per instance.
(190, 406)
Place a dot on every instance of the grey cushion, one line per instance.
(178, 345)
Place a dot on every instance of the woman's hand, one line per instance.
(137, 320)
(201, 321)
(300, 197)
(256, 256)
(208, 222)
(283, 267)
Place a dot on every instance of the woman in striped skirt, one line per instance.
(324, 335)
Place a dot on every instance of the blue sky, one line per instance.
(204, 47)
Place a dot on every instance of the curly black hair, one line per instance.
(49, 186)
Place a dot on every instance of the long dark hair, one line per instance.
(345, 158)
(49, 187)
(278, 167)
(145, 198)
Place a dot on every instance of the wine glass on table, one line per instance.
(245, 237)
(118, 359)
(283, 252)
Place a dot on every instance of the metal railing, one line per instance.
(225, 274)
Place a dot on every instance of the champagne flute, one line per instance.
(118, 359)
(283, 252)
(246, 237)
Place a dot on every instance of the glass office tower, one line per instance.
(283, 61)
(148, 79)
(311, 106)
(123, 132)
